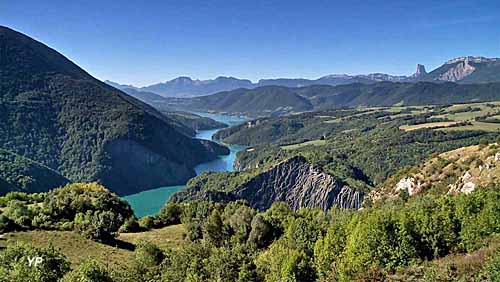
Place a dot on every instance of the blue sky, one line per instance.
(144, 42)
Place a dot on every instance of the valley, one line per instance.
(151, 201)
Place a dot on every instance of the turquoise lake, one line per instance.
(151, 201)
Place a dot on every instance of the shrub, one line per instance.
(88, 271)
(14, 264)
(491, 271)
(130, 225)
(97, 225)
(147, 222)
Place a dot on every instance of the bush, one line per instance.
(169, 214)
(20, 213)
(97, 225)
(148, 254)
(88, 271)
(147, 222)
(282, 263)
(14, 264)
(261, 234)
(131, 225)
(491, 271)
(7, 225)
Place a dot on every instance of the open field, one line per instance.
(74, 246)
(476, 125)
(300, 145)
(167, 237)
(464, 116)
(77, 248)
(427, 125)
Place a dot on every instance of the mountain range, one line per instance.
(461, 70)
(56, 119)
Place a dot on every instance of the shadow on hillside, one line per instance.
(117, 243)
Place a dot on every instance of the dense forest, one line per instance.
(398, 240)
(21, 174)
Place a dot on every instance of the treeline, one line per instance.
(236, 243)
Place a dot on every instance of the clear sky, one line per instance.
(144, 42)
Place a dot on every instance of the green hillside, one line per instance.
(21, 174)
(261, 101)
(272, 100)
(53, 112)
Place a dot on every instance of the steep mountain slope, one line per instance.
(192, 122)
(466, 70)
(458, 171)
(184, 122)
(53, 112)
(21, 174)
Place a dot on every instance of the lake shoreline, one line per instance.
(149, 202)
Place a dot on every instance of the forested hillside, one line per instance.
(272, 100)
(21, 174)
(54, 113)
(358, 148)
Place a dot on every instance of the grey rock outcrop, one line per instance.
(420, 71)
(300, 185)
(458, 72)
(295, 182)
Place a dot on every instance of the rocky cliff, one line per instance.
(294, 181)
(420, 72)
(466, 70)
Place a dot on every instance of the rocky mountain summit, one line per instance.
(420, 72)
(468, 69)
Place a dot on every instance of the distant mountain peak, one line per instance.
(120, 86)
(472, 59)
(181, 79)
(420, 71)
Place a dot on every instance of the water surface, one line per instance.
(150, 202)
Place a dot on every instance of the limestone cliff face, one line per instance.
(419, 72)
(300, 185)
(458, 72)
(294, 181)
